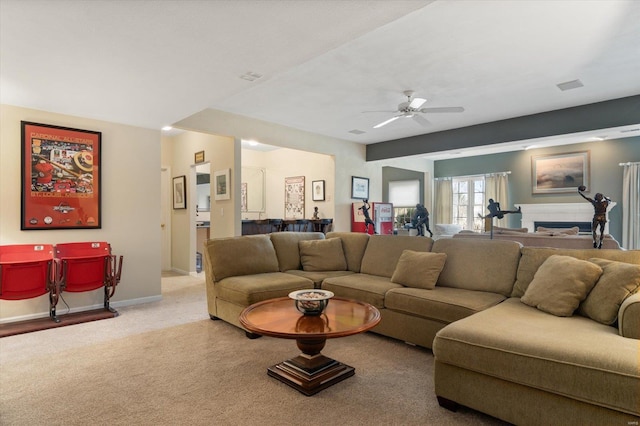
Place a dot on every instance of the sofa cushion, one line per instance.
(418, 269)
(483, 265)
(322, 255)
(446, 229)
(248, 289)
(362, 287)
(444, 304)
(618, 281)
(287, 250)
(567, 356)
(560, 284)
(533, 257)
(245, 255)
(383, 251)
(353, 245)
(318, 276)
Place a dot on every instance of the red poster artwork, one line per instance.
(60, 177)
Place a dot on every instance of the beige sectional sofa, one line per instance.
(464, 298)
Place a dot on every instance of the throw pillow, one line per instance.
(560, 284)
(418, 269)
(559, 231)
(501, 230)
(618, 281)
(322, 255)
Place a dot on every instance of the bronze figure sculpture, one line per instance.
(600, 204)
(367, 219)
(420, 220)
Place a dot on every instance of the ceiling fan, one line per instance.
(412, 109)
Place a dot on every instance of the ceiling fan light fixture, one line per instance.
(417, 103)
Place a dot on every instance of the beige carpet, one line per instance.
(166, 363)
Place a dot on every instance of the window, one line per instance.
(404, 195)
(468, 202)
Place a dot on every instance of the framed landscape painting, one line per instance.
(559, 173)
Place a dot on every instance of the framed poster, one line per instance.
(198, 157)
(318, 190)
(243, 197)
(60, 177)
(359, 188)
(221, 180)
(552, 174)
(179, 192)
(294, 197)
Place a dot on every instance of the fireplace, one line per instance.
(585, 227)
(561, 215)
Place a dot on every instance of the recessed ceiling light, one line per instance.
(167, 128)
(568, 85)
(356, 132)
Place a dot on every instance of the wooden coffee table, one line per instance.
(310, 372)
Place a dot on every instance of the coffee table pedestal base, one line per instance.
(310, 374)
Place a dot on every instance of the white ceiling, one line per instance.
(154, 63)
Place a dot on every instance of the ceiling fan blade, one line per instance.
(417, 103)
(384, 123)
(421, 120)
(442, 109)
(388, 112)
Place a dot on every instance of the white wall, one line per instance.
(349, 157)
(130, 208)
(285, 162)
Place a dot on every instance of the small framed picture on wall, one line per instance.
(318, 190)
(359, 188)
(179, 192)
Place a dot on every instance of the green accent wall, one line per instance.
(605, 174)
(392, 174)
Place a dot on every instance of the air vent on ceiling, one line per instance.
(251, 76)
(574, 84)
(356, 132)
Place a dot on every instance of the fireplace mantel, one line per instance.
(559, 212)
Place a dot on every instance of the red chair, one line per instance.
(28, 271)
(88, 266)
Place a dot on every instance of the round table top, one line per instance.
(280, 318)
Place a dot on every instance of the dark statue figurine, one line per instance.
(420, 220)
(367, 219)
(600, 204)
(496, 211)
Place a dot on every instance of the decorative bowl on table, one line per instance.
(311, 301)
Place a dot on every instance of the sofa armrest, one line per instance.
(629, 317)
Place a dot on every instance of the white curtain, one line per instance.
(443, 210)
(497, 188)
(631, 206)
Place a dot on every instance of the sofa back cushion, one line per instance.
(383, 251)
(419, 269)
(235, 256)
(287, 250)
(353, 245)
(618, 281)
(533, 257)
(482, 265)
(322, 255)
